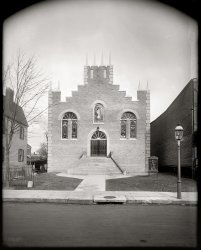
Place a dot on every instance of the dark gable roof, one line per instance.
(9, 109)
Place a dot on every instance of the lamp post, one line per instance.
(178, 136)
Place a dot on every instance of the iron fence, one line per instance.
(20, 175)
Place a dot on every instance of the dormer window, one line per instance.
(91, 73)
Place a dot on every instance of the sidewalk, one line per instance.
(98, 197)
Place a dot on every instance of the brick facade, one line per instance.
(131, 154)
(163, 143)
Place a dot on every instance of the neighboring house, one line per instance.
(18, 150)
(182, 110)
(97, 121)
(39, 162)
(28, 154)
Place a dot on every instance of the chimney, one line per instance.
(9, 95)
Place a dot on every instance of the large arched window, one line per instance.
(69, 126)
(98, 113)
(128, 125)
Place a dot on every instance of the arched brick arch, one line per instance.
(89, 141)
(68, 110)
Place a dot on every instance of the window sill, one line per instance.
(71, 139)
(128, 139)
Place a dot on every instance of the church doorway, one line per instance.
(98, 144)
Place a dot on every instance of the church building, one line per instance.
(99, 122)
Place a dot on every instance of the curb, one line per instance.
(93, 202)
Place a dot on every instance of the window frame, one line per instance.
(70, 122)
(21, 132)
(103, 113)
(20, 154)
(128, 117)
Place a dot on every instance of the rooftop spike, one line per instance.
(86, 63)
(102, 59)
(110, 58)
(147, 86)
(139, 87)
(50, 86)
(94, 59)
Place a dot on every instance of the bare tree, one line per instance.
(42, 151)
(29, 85)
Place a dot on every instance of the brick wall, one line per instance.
(129, 154)
(163, 143)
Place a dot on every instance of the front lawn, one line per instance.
(50, 181)
(161, 183)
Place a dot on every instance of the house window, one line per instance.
(128, 125)
(21, 133)
(123, 129)
(65, 129)
(98, 113)
(74, 128)
(20, 155)
(69, 123)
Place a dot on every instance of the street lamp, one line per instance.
(178, 136)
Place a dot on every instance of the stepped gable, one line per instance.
(95, 77)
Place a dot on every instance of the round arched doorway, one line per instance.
(99, 144)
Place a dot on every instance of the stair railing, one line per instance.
(123, 171)
(82, 155)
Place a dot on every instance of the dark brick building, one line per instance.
(182, 110)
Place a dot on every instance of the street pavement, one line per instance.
(61, 225)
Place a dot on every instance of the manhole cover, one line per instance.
(109, 197)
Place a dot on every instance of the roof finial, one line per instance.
(94, 59)
(139, 88)
(86, 60)
(110, 58)
(147, 85)
(58, 86)
(102, 59)
(50, 86)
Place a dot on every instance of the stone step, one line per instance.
(95, 165)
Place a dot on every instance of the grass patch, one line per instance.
(160, 183)
(50, 181)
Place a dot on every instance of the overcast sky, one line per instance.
(148, 41)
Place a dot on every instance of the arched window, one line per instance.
(128, 125)
(69, 126)
(98, 113)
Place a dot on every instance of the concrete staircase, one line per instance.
(95, 166)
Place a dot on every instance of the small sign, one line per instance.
(153, 164)
(30, 184)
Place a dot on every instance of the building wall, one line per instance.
(16, 144)
(163, 143)
(130, 154)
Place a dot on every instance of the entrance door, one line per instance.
(98, 144)
(98, 147)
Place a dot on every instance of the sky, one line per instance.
(148, 41)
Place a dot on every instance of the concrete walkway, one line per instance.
(92, 182)
(95, 197)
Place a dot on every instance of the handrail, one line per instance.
(83, 154)
(122, 170)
